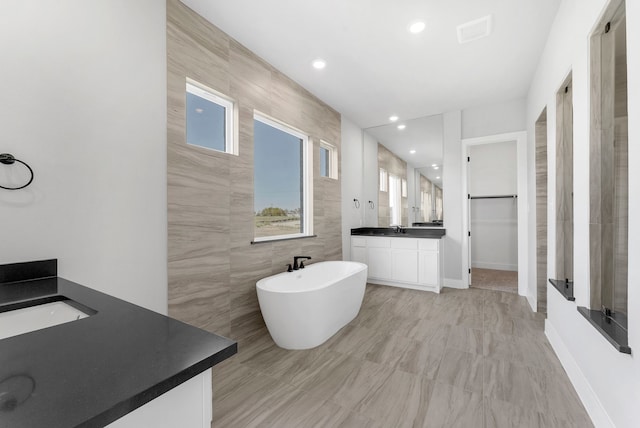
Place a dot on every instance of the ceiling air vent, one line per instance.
(474, 30)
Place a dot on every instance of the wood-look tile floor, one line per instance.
(463, 358)
(493, 279)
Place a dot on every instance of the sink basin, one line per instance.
(25, 320)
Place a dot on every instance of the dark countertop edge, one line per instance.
(139, 399)
(564, 287)
(611, 331)
(42, 287)
(435, 233)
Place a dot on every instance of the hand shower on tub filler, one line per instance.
(297, 266)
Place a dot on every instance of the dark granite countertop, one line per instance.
(95, 370)
(406, 232)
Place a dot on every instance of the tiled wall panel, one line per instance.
(213, 267)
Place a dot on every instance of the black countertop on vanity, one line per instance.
(406, 232)
(92, 371)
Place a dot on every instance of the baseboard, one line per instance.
(403, 285)
(533, 303)
(455, 283)
(587, 395)
(495, 266)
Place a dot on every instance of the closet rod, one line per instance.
(494, 197)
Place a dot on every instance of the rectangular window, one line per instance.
(328, 160)
(209, 118)
(282, 191)
(324, 162)
(404, 188)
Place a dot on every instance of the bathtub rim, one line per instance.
(261, 282)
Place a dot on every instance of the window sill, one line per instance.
(611, 328)
(264, 241)
(564, 287)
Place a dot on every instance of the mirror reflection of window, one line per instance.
(395, 200)
(383, 180)
(425, 206)
(438, 207)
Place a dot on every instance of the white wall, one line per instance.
(371, 180)
(494, 222)
(452, 193)
(351, 182)
(84, 103)
(494, 119)
(493, 169)
(607, 381)
(494, 234)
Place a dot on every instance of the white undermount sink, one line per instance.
(25, 320)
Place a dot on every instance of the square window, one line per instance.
(282, 191)
(209, 119)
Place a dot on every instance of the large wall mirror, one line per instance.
(405, 173)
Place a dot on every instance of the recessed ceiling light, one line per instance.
(436, 167)
(319, 63)
(438, 178)
(412, 151)
(434, 164)
(401, 127)
(417, 27)
(393, 118)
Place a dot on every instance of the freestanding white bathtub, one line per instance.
(304, 308)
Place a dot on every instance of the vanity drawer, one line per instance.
(404, 243)
(358, 242)
(378, 242)
(428, 244)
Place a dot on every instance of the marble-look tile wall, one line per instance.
(213, 267)
(564, 181)
(621, 180)
(609, 170)
(621, 215)
(541, 211)
(388, 161)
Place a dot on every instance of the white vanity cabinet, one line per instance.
(402, 262)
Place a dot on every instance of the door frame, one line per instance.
(523, 236)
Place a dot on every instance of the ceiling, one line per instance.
(375, 67)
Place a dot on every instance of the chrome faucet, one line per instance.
(297, 266)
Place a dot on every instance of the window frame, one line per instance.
(307, 179)
(332, 166)
(198, 89)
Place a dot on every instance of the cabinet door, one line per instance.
(428, 271)
(379, 262)
(359, 254)
(404, 265)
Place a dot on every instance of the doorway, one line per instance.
(493, 216)
(495, 213)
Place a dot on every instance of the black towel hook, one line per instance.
(9, 159)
